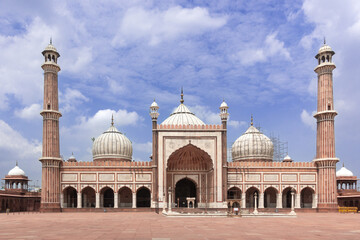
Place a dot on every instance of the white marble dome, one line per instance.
(325, 48)
(182, 116)
(344, 172)
(50, 47)
(112, 144)
(154, 104)
(223, 104)
(252, 145)
(16, 171)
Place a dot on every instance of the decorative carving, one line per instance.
(289, 177)
(93, 186)
(271, 177)
(252, 177)
(106, 177)
(63, 186)
(124, 177)
(148, 186)
(88, 177)
(141, 177)
(101, 186)
(310, 186)
(307, 177)
(69, 177)
(235, 177)
(236, 185)
(274, 186)
(195, 178)
(249, 186)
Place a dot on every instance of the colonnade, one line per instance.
(283, 199)
(70, 196)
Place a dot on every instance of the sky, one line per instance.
(118, 56)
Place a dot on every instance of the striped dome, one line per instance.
(252, 145)
(113, 145)
(182, 116)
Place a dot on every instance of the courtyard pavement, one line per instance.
(148, 225)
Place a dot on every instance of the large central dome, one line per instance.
(182, 116)
(112, 145)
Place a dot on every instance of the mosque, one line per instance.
(189, 166)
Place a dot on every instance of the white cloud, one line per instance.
(205, 114)
(272, 47)
(14, 147)
(308, 119)
(142, 147)
(209, 117)
(30, 112)
(156, 26)
(236, 124)
(77, 137)
(71, 99)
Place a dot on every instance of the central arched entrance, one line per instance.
(198, 182)
(183, 189)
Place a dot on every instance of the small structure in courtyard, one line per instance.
(16, 197)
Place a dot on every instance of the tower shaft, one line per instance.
(325, 134)
(51, 161)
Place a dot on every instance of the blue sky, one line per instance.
(117, 56)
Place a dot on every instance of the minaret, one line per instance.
(154, 114)
(224, 115)
(51, 161)
(325, 136)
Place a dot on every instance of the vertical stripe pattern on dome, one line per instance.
(252, 145)
(112, 144)
(182, 116)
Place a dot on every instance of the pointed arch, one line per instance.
(189, 157)
(70, 197)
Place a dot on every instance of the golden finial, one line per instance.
(343, 164)
(51, 40)
(252, 120)
(182, 96)
(16, 163)
(324, 41)
(112, 119)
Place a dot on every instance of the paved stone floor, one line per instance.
(136, 225)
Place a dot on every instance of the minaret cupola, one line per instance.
(154, 114)
(224, 115)
(50, 53)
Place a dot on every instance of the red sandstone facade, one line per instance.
(189, 160)
(16, 197)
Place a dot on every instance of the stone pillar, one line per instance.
(79, 200)
(164, 203)
(261, 200)
(292, 203)
(62, 200)
(298, 200)
(279, 200)
(134, 200)
(97, 200)
(314, 203)
(243, 200)
(169, 209)
(116, 200)
(255, 203)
